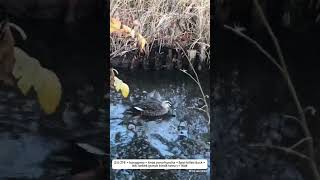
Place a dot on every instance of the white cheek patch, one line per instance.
(137, 108)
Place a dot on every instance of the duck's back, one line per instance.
(151, 107)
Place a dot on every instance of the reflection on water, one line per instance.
(183, 136)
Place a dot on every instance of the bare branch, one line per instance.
(255, 43)
(281, 148)
(197, 81)
(293, 92)
(293, 118)
(284, 71)
(300, 142)
(199, 109)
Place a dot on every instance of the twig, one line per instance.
(292, 91)
(185, 71)
(293, 118)
(197, 81)
(284, 71)
(281, 148)
(300, 142)
(254, 42)
(19, 29)
(199, 109)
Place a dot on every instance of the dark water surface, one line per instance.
(36, 146)
(185, 136)
(250, 101)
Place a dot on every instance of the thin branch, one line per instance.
(293, 118)
(292, 90)
(255, 43)
(19, 29)
(284, 71)
(300, 142)
(199, 109)
(197, 81)
(281, 148)
(184, 71)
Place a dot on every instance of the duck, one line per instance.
(152, 108)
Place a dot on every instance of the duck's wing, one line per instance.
(149, 105)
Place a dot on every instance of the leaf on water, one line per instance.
(91, 149)
(29, 73)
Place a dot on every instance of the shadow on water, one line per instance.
(183, 136)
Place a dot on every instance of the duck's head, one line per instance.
(166, 104)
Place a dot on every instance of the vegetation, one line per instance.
(280, 63)
(27, 71)
(162, 23)
(117, 84)
(205, 108)
(177, 24)
(116, 26)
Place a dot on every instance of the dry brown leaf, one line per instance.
(117, 27)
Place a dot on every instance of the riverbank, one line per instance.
(167, 26)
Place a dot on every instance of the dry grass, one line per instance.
(162, 22)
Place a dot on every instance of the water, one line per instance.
(36, 146)
(184, 136)
(22, 156)
(23, 147)
(245, 113)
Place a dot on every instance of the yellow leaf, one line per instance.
(120, 85)
(24, 64)
(25, 69)
(29, 73)
(48, 90)
(115, 25)
(142, 42)
(117, 83)
(124, 90)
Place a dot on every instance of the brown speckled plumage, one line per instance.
(152, 107)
